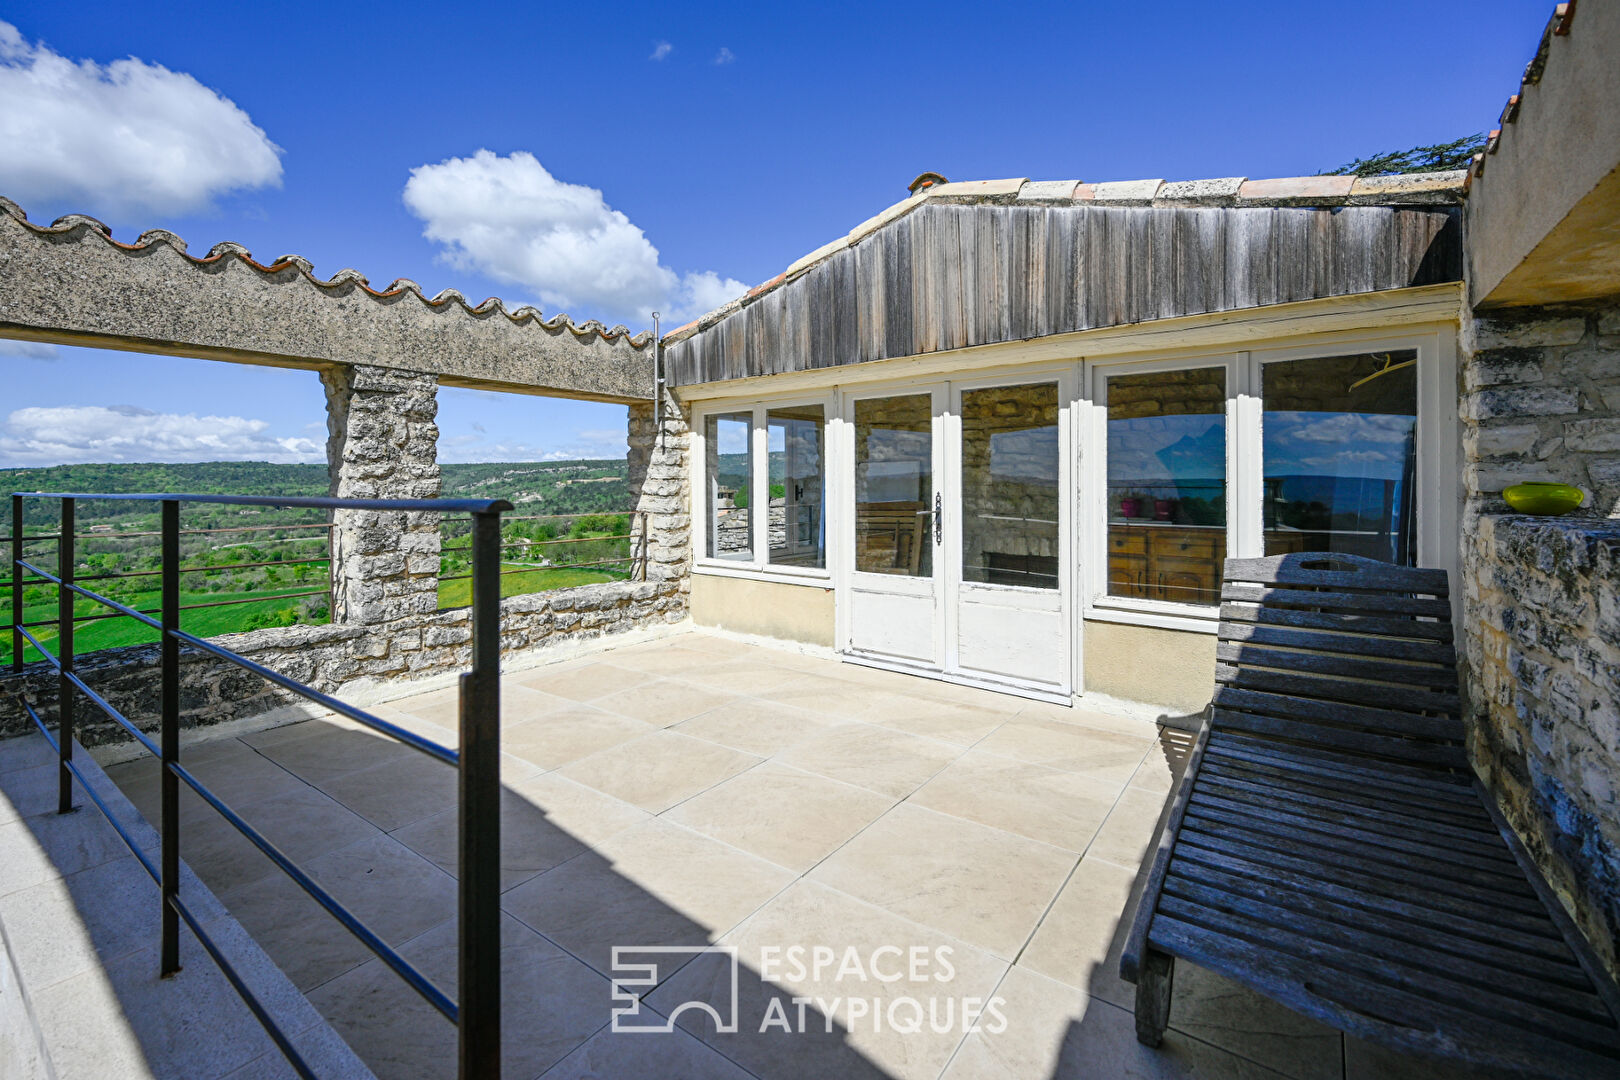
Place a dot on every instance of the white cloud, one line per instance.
(563, 446)
(122, 141)
(83, 433)
(724, 56)
(29, 350)
(661, 50)
(508, 218)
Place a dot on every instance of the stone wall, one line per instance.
(1541, 596)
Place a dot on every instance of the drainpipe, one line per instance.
(658, 385)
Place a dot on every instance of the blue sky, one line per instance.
(724, 141)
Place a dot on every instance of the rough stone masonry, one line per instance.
(1541, 625)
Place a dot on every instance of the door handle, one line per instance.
(939, 523)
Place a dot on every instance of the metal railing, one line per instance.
(477, 760)
(269, 597)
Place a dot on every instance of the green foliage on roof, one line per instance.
(1441, 157)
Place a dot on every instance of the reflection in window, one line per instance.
(1339, 441)
(1167, 485)
(894, 485)
(729, 469)
(1010, 485)
(795, 521)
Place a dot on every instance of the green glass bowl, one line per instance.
(1537, 497)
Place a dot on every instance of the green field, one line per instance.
(107, 633)
(454, 594)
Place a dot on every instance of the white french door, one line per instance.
(958, 531)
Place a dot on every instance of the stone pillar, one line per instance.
(660, 488)
(382, 444)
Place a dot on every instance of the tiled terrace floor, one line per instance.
(697, 790)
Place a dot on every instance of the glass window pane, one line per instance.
(1010, 485)
(894, 485)
(729, 470)
(797, 526)
(1167, 485)
(1340, 448)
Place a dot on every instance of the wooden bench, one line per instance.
(1329, 846)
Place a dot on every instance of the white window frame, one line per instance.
(1437, 449)
(1094, 494)
(759, 566)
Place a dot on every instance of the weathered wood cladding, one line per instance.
(950, 276)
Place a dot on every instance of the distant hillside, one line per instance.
(535, 487)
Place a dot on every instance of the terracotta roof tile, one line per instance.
(1296, 190)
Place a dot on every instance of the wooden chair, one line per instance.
(1330, 848)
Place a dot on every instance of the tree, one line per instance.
(1442, 157)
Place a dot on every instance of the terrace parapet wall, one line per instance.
(1541, 625)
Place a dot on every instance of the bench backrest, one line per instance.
(1342, 652)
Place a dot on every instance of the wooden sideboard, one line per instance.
(1150, 560)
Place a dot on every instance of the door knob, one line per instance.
(939, 523)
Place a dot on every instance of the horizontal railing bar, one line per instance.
(342, 708)
(143, 613)
(415, 979)
(198, 569)
(324, 502)
(95, 698)
(28, 538)
(271, 1028)
(90, 791)
(141, 616)
(43, 651)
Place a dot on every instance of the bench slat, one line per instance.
(1411, 1018)
(1415, 804)
(1333, 925)
(1372, 625)
(1348, 572)
(1378, 889)
(1457, 785)
(1352, 644)
(1415, 725)
(1346, 690)
(1406, 874)
(1428, 676)
(1541, 953)
(1345, 738)
(1358, 603)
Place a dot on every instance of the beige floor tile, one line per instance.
(889, 762)
(1080, 940)
(551, 1003)
(1053, 1030)
(556, 739)
(1075, 747)
(659, 769)
(585, 683)
(62, 927)
(441, 707)
(662, 659)
(795, 819)
(983, 885)
(583, 813)
(1165, 763)
(740, 675)
(392, 890)
(653, 884)
(962, 725)
(328, 751)
(1060, 808)
(303, 824)
(754, 726)
(1128, 834)
(832, 698)
(667, 1054)
(393, 795)
(530, 842)
(520, 704)
(664, 702)
(715, 645)
(1222, 1013)
(817, 943)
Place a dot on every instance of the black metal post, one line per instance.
(169, 659)
(65, 692)
(479, 863)
(16, 585)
